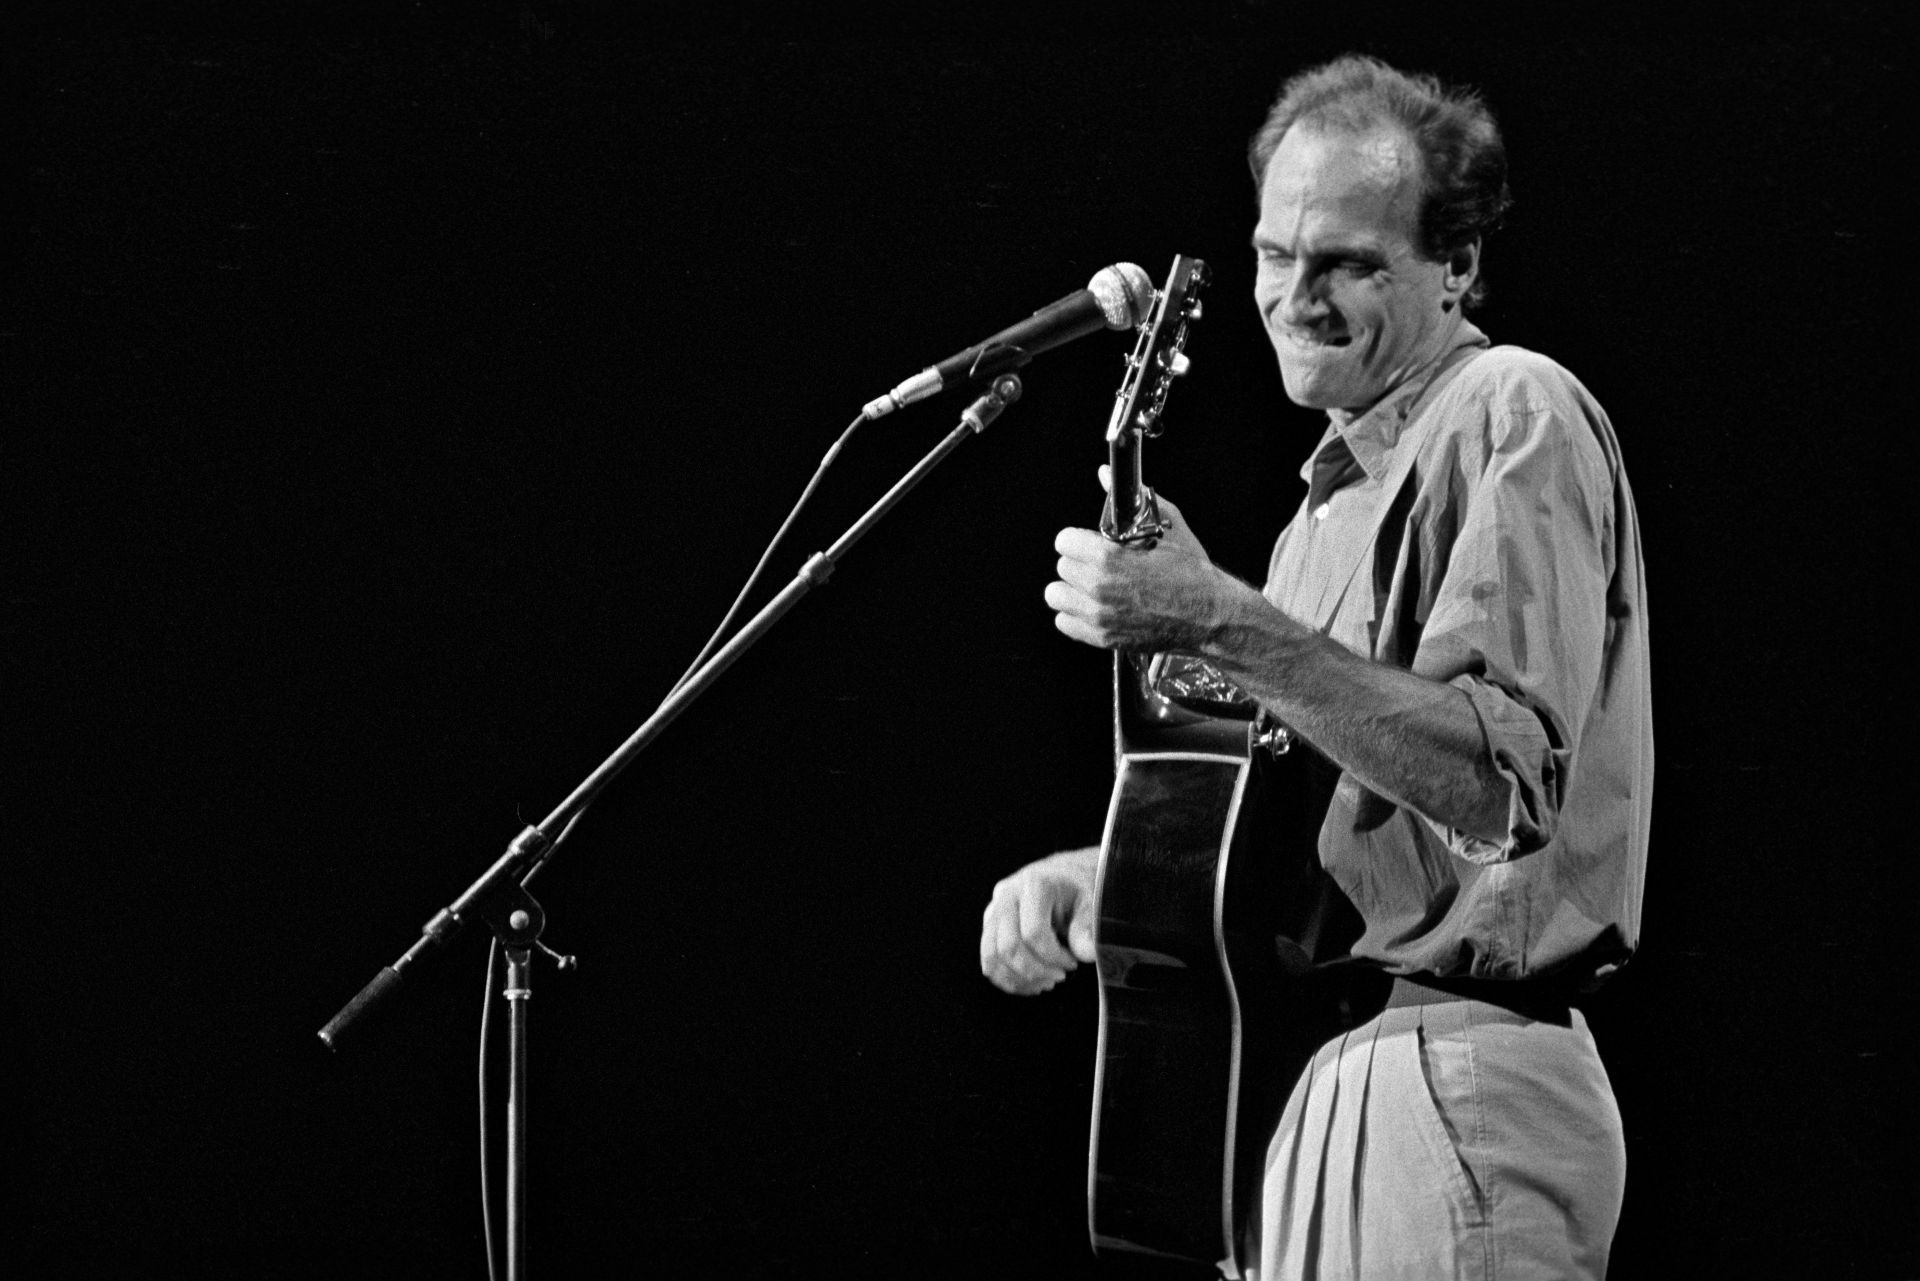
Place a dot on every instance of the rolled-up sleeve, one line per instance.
(1518, 621)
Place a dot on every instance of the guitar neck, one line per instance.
(1127, 491)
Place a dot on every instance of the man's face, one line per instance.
(1351, 307)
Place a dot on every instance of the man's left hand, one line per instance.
(1116, 596)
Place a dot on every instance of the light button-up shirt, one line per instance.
(1476, 527)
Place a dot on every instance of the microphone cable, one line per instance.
(806, 495)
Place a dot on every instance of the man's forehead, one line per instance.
(1316, 166)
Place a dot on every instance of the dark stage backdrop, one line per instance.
(398, 395)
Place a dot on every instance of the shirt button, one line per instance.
(1320, 512)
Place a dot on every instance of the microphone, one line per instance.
(1118, 297)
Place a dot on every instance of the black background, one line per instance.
(400, 394)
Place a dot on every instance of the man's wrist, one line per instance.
(1246, 630)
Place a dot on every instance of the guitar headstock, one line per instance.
(1159, 356)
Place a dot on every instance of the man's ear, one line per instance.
(1463, 268)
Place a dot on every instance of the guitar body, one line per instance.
(1218, 935)
(1217, 944)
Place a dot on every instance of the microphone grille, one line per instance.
(1125, 294)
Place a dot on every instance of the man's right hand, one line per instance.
(1021, 932)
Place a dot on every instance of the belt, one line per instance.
(1543, 1002)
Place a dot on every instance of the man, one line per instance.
(1455, 617)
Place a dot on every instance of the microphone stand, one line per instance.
(499, 896)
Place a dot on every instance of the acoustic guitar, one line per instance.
(1218, 935)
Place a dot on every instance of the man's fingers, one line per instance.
(1078, 575)
(1080, 937)
(1066, 598)
(1078, 629)
(1020, 950)
(1040, 902)
(1005, 957)
(1081, 544)
(1072, 612)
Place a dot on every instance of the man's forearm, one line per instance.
(1413, 740)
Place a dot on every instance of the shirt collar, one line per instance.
(1372, 435)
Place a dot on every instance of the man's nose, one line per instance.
(1303, 301)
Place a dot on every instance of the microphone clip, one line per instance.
(981, 413)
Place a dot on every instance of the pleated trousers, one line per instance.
(1452, 1140)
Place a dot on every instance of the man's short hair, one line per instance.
(1463, 162)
